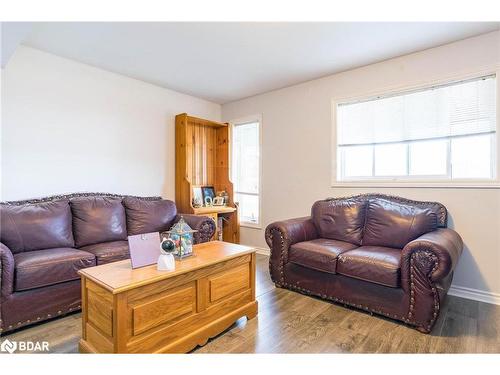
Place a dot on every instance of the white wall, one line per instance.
(69, 127)
(296, 151)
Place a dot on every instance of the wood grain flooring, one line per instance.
(289, 322)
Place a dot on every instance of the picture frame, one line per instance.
(218, 201)
(197, 197)
(208, 191)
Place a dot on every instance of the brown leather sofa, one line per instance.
(44, 242)
(386, 255)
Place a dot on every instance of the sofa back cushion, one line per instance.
(394, 224)
(98, 219)
(146, 216)
(36, 226)
(341, 219)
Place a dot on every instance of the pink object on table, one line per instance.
(144, 249)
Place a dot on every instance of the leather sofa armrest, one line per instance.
(6, 272)
(426, 264)
(280, 235)
(442, 246)
(203, 224)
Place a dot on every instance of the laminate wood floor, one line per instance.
(289, 322)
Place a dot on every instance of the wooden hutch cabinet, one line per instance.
(202, 149)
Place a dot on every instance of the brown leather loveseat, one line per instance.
(44, 242)
(387, 255)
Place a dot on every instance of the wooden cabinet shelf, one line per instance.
(213, 210)
(202, 150)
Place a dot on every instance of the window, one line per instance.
(442, 133)
(246, 170)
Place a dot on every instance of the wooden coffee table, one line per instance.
(150, 311)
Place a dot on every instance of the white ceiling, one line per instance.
(223, 62)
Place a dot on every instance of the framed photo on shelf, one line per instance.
(208, 191)
(197, 197)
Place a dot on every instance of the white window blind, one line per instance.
(456, 109)
(441, 132)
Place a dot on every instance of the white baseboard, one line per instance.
(457, 291)
(474, 294)
(262, 251)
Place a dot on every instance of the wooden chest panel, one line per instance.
(166, 338)
(229, 282)
(163, 308)
(100, 309)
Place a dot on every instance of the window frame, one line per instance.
(242, 121)
(417, 181)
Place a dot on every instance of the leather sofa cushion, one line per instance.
(393, 225)
(375, 264)
(109, 251)
(341, 220)
(34, 269)
(320, 254)
(148, 216)
(97, 220)
(36, 226)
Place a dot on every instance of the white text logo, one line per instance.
(24, 346)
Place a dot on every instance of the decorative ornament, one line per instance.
(182, 236)
(166, 260)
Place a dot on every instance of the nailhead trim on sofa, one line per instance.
(40, 318)
(441, 210)
(420, 256)
(74, 195)
(282, 256)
